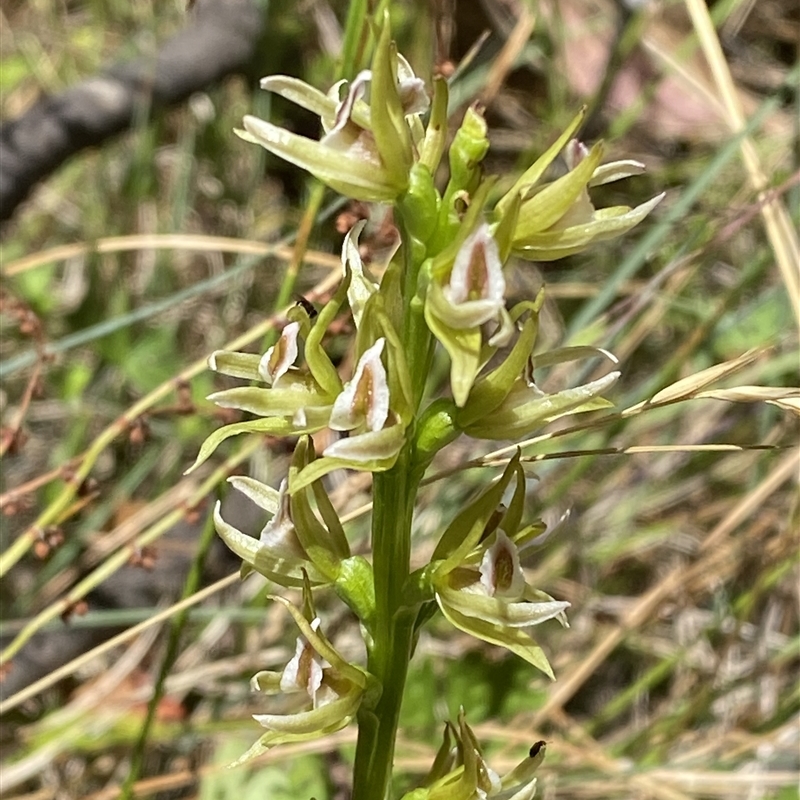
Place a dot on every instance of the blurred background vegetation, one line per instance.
(135, 259)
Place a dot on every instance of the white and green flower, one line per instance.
(558, 219)
(461, 772)
(459, 303)
(331, 689)
(370, 135)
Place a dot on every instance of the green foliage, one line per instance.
(303, 776)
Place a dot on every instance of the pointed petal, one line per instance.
(316, 722)
(259, 493)
(364, 448)
(237, 365)
(301, 93)
(607, 223)
(533, 174)
(348, 174)
(275, 426)
(616, 171)
(500, 612)
(512, 639)
(549, 204)
(526, 409)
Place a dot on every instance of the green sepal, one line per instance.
(606, 223)
(392, 136)
(504, 229)
(302, 94)
(320, 643)
(259, 493)
(236, 365)
(255, 557)
(533, 608)
(524, 410)
(385, 446)
(466, 530)
(325, 548)
(338, 709)
(391, 291)
(463, 345)
(376, 323)
(349, 174)
(274, 402)
(320, 366)
(534, 173)
(550, 203)
(512, 519)
(489, 392)
(336, 536)
(513, 639)
(443, 760)
(272, 426)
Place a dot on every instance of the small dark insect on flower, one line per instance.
(536, 749)
(307, 305)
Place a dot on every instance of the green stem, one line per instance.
(394, 492)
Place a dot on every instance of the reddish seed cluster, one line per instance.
(49, 539)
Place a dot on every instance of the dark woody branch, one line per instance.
(220, 39)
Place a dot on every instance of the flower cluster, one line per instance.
(443, 289)
(475, 574)
(372, 407)
(368, 147)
